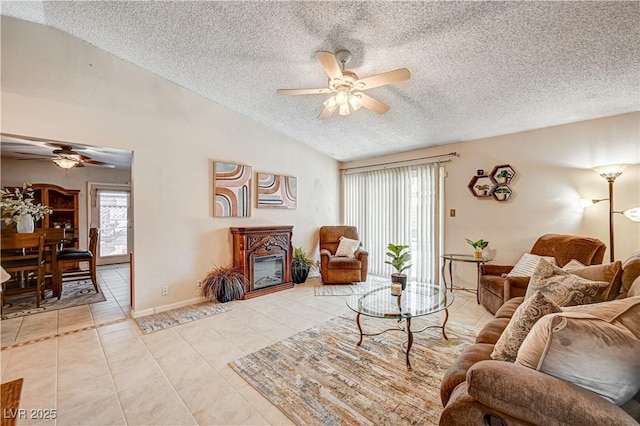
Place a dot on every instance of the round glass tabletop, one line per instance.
(415, 301)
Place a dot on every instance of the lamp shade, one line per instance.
(65, 163)
(632, 214)
(610, 172)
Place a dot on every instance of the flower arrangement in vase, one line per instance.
(19, 207)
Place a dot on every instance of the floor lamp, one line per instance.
(610, 173)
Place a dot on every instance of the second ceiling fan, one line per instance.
(346, 88)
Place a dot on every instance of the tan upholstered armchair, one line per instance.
(334, 269)
(494, 290)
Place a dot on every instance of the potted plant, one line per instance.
(501, 193)
(483, 189)
(399, 255)
(478, 246)
(503, 176)
(18, 206)
(223, 283)
(300, 265)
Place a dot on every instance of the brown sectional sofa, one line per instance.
(477, 390)
(494, 289)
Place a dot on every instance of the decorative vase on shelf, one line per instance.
(25, 225)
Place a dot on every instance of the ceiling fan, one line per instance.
(346, 88)
(66, 157)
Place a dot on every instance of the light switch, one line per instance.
(452, 212)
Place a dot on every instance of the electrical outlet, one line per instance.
(165, 290)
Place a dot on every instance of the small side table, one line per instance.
(463, 258)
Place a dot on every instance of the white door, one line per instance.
(111, 212)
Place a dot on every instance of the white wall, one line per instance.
(553, 168)
(16, 172)
(54, 86)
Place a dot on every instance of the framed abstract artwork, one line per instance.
(232, 190)
(277, 191)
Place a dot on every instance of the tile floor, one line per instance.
(112, 374)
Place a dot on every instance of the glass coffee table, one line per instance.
(417, 300)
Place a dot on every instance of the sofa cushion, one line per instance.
(609, 272)
(524, 318)
(347, 247)
(594, 346)
(635, 288)
(573, 265)
(564, 288)
(528, 264)
(509, 307)
(630, 271)
(492, 331)
(457, 372)
(344, 263)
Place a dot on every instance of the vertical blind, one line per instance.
(401, 206)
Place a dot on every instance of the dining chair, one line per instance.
(66, 256)
(22, 254)
(53, 242)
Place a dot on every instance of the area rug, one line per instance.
(349, 289)
(10, 401)
(73, 294)
(320, 376)
(163, 320)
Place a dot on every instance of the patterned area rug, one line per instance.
(349, 289)
(156, 322)
(320, 376)
(73, 294)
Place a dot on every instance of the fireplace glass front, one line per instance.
(268, 270)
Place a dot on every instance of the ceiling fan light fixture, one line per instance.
(65, 163)
(342, 98)
(344, 109)
(355, 101)
(330, 103)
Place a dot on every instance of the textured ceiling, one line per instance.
(479, 69)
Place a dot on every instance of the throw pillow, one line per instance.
(523, 319)
(527, 265)
(610, 272)
(347, 247)
(564, 288)
(592, 346)
(573, 265)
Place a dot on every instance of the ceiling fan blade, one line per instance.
(373, 104)
(330, 65)
(31, 153)
(87, 160)
(303, 91)
(378, 80)
(326, 113)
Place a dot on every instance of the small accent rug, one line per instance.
(320, 376)
(10, 401)
(73, 294)
(156, 322)
(349, 289)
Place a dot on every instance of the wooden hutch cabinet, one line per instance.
(64, 203)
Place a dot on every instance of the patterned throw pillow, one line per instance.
(523, 319)
(564, 288)
(347, 247)
(528, 264)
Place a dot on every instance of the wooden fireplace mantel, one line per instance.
(250, 243)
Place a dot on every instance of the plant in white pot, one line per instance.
(19, 207)
(478, 247)
(400, 256)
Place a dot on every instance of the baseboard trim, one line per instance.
(164, 308)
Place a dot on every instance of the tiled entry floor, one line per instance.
(115, 375)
